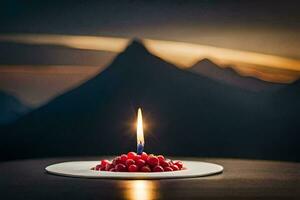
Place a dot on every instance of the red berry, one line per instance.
(158, 168)
(174, 167)
(144, 156)
(133, 168)
(112, 170)
(152, 160)
(124, 158)
(131, 155)
(137, 157)
(168, 169)
(161, 158)
(164, 164)
(114, 161)
(140, 163)
(117, 160)
(97, 167)
(169, 161)
(145, 169)
(104, 163)
(179, 164)
(129, 162)
(120, 168)
(108, 167)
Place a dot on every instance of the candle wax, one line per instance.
(140, 148)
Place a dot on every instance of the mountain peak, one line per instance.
(136, 46)
(136, 53)
(229, 76)
(204, 61)
(209, 64)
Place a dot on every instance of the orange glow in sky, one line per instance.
(28, 82)
(182, 54)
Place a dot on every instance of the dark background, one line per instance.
(188, 114)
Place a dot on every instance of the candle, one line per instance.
(140, 161)
(140, 133)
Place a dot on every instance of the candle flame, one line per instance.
(139, 128)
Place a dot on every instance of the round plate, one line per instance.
(83, 169)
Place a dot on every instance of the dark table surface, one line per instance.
(241, 179)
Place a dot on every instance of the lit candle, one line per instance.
(140, 133)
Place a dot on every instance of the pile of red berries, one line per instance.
(139, 163)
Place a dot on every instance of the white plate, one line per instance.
(83, 169)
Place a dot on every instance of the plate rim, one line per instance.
(138, 175)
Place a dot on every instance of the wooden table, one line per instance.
(241, 179)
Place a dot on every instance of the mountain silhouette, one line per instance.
(227, 75)
(186, 114)
(291, 110)
(10, 108)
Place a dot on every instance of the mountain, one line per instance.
(291, 110)
(10, 108)
(227, 75)
(186, 114)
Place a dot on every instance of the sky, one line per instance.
(264, 27)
